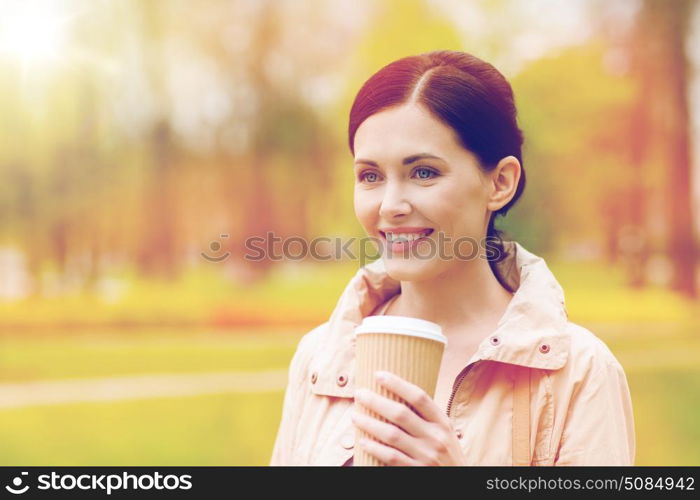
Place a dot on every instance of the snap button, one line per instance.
(459, 434)
(544, 348)
(495, 340)
(314, 377)
(342, 380)
(347, 441)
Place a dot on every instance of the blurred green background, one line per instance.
(143, 142)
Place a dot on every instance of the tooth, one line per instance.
(398, 237)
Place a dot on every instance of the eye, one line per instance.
(426, 174)
(363, 176)
(428, 170)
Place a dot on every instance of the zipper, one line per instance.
(457, 383)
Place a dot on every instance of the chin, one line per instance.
(409, 270)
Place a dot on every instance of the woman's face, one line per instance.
(448, 194)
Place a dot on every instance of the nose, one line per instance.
(394, 202)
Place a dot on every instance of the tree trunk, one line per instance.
(681, 239)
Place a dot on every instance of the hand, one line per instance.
(422, 438)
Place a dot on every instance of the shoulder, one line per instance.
(311, 339)
(307, 346)
(589, 355)
(586, 344)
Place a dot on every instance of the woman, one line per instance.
(437, 157)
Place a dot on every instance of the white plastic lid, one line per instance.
(402, 325)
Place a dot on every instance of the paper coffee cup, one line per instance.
(408, 347)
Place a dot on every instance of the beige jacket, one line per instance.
(580, 409)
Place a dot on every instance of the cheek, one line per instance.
(364, 210)
(460, 208)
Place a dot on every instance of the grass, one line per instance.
(652, 332)
(595, 292)
(663, 373)
(239, 429)
(303, 295)
(293, 295)
(666, 408)
(109, 353)
(222, 429)
(229, 429)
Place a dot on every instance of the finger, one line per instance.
(395, 412)
(414, 396)
(390, 435)
(386, 454)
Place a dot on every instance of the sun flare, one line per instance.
(31, 34)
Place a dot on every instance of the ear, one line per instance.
(503, 182)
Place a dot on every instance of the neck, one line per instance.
(466, 296)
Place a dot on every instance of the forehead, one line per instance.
(405, 130)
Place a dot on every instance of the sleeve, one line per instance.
(599, 428)
(293, 401)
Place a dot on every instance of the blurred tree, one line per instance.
(158, 255)
(270, 147)
(572, 111)
(682, 247)
(257, 203)
(661, 130)
(629, 234)
(20, 218)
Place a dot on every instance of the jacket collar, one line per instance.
(530, 333)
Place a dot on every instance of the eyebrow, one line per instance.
(406, 161)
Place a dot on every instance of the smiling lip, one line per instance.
(400, 247)
(410, 230)
(405, 229)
